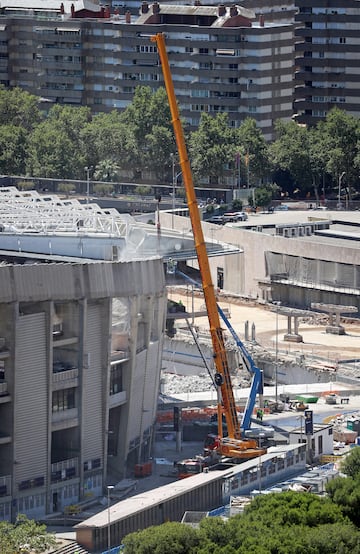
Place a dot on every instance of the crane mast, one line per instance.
(223, 378)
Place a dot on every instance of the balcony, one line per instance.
(66, 377)
(4, 393)
(5, 438)
(63, 341)
(5, 485)
(65, 470)
(117, 399)
(64, 419)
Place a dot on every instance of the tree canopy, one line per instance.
(278, 523)
(139, 141)
(24, 537)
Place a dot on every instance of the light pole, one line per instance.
(339, 191)
(109, 489)
(87, 169)
(277, 304)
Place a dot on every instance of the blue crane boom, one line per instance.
(256, 382)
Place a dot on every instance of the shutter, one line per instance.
(31, 398)
(92, 390)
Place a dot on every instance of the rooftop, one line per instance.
(47, 226)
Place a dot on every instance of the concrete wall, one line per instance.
(244, 271)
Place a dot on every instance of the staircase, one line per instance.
(72, 548)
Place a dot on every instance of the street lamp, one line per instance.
(109, 489)
(339, 191)
(277, 304)
(87, 169)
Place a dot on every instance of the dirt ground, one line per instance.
(270, 327)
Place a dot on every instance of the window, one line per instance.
(199, 108)
(220, 278)
(116, 379)
(63, 400)
(146, 48)
(320, 444)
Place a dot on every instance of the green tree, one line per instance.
(351, 464)
(339, 140)
(24, 537)
(169, 538)
(211, 148)
(158, 153)
(51, 153)
(106, 137)
(290, 152)
(345, 492)
(254, 152)
(55, 147)
(300, 523)
(70, 121)
(19, 108)
(13, 145)
(147, 116)
(263, 196)
(106, 170)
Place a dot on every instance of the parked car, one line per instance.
(218, 219)
(230, 217)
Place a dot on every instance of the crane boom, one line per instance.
(216, 332)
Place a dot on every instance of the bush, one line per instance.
(237, 205)
(103, 189)
(66, 188)
(143, 190)
(26, 185)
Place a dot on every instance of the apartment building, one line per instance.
(327, 59)
(223, 58)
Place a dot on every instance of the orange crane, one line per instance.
(233, 445)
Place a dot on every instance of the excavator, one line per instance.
(234, 445)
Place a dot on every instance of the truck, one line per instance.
(235, 445)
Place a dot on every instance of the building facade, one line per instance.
(223, 59)
(81, 338)
(316, 260)
(327, 54)
(83, 307)
(68, 401)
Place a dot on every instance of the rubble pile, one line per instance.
(180, 384)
